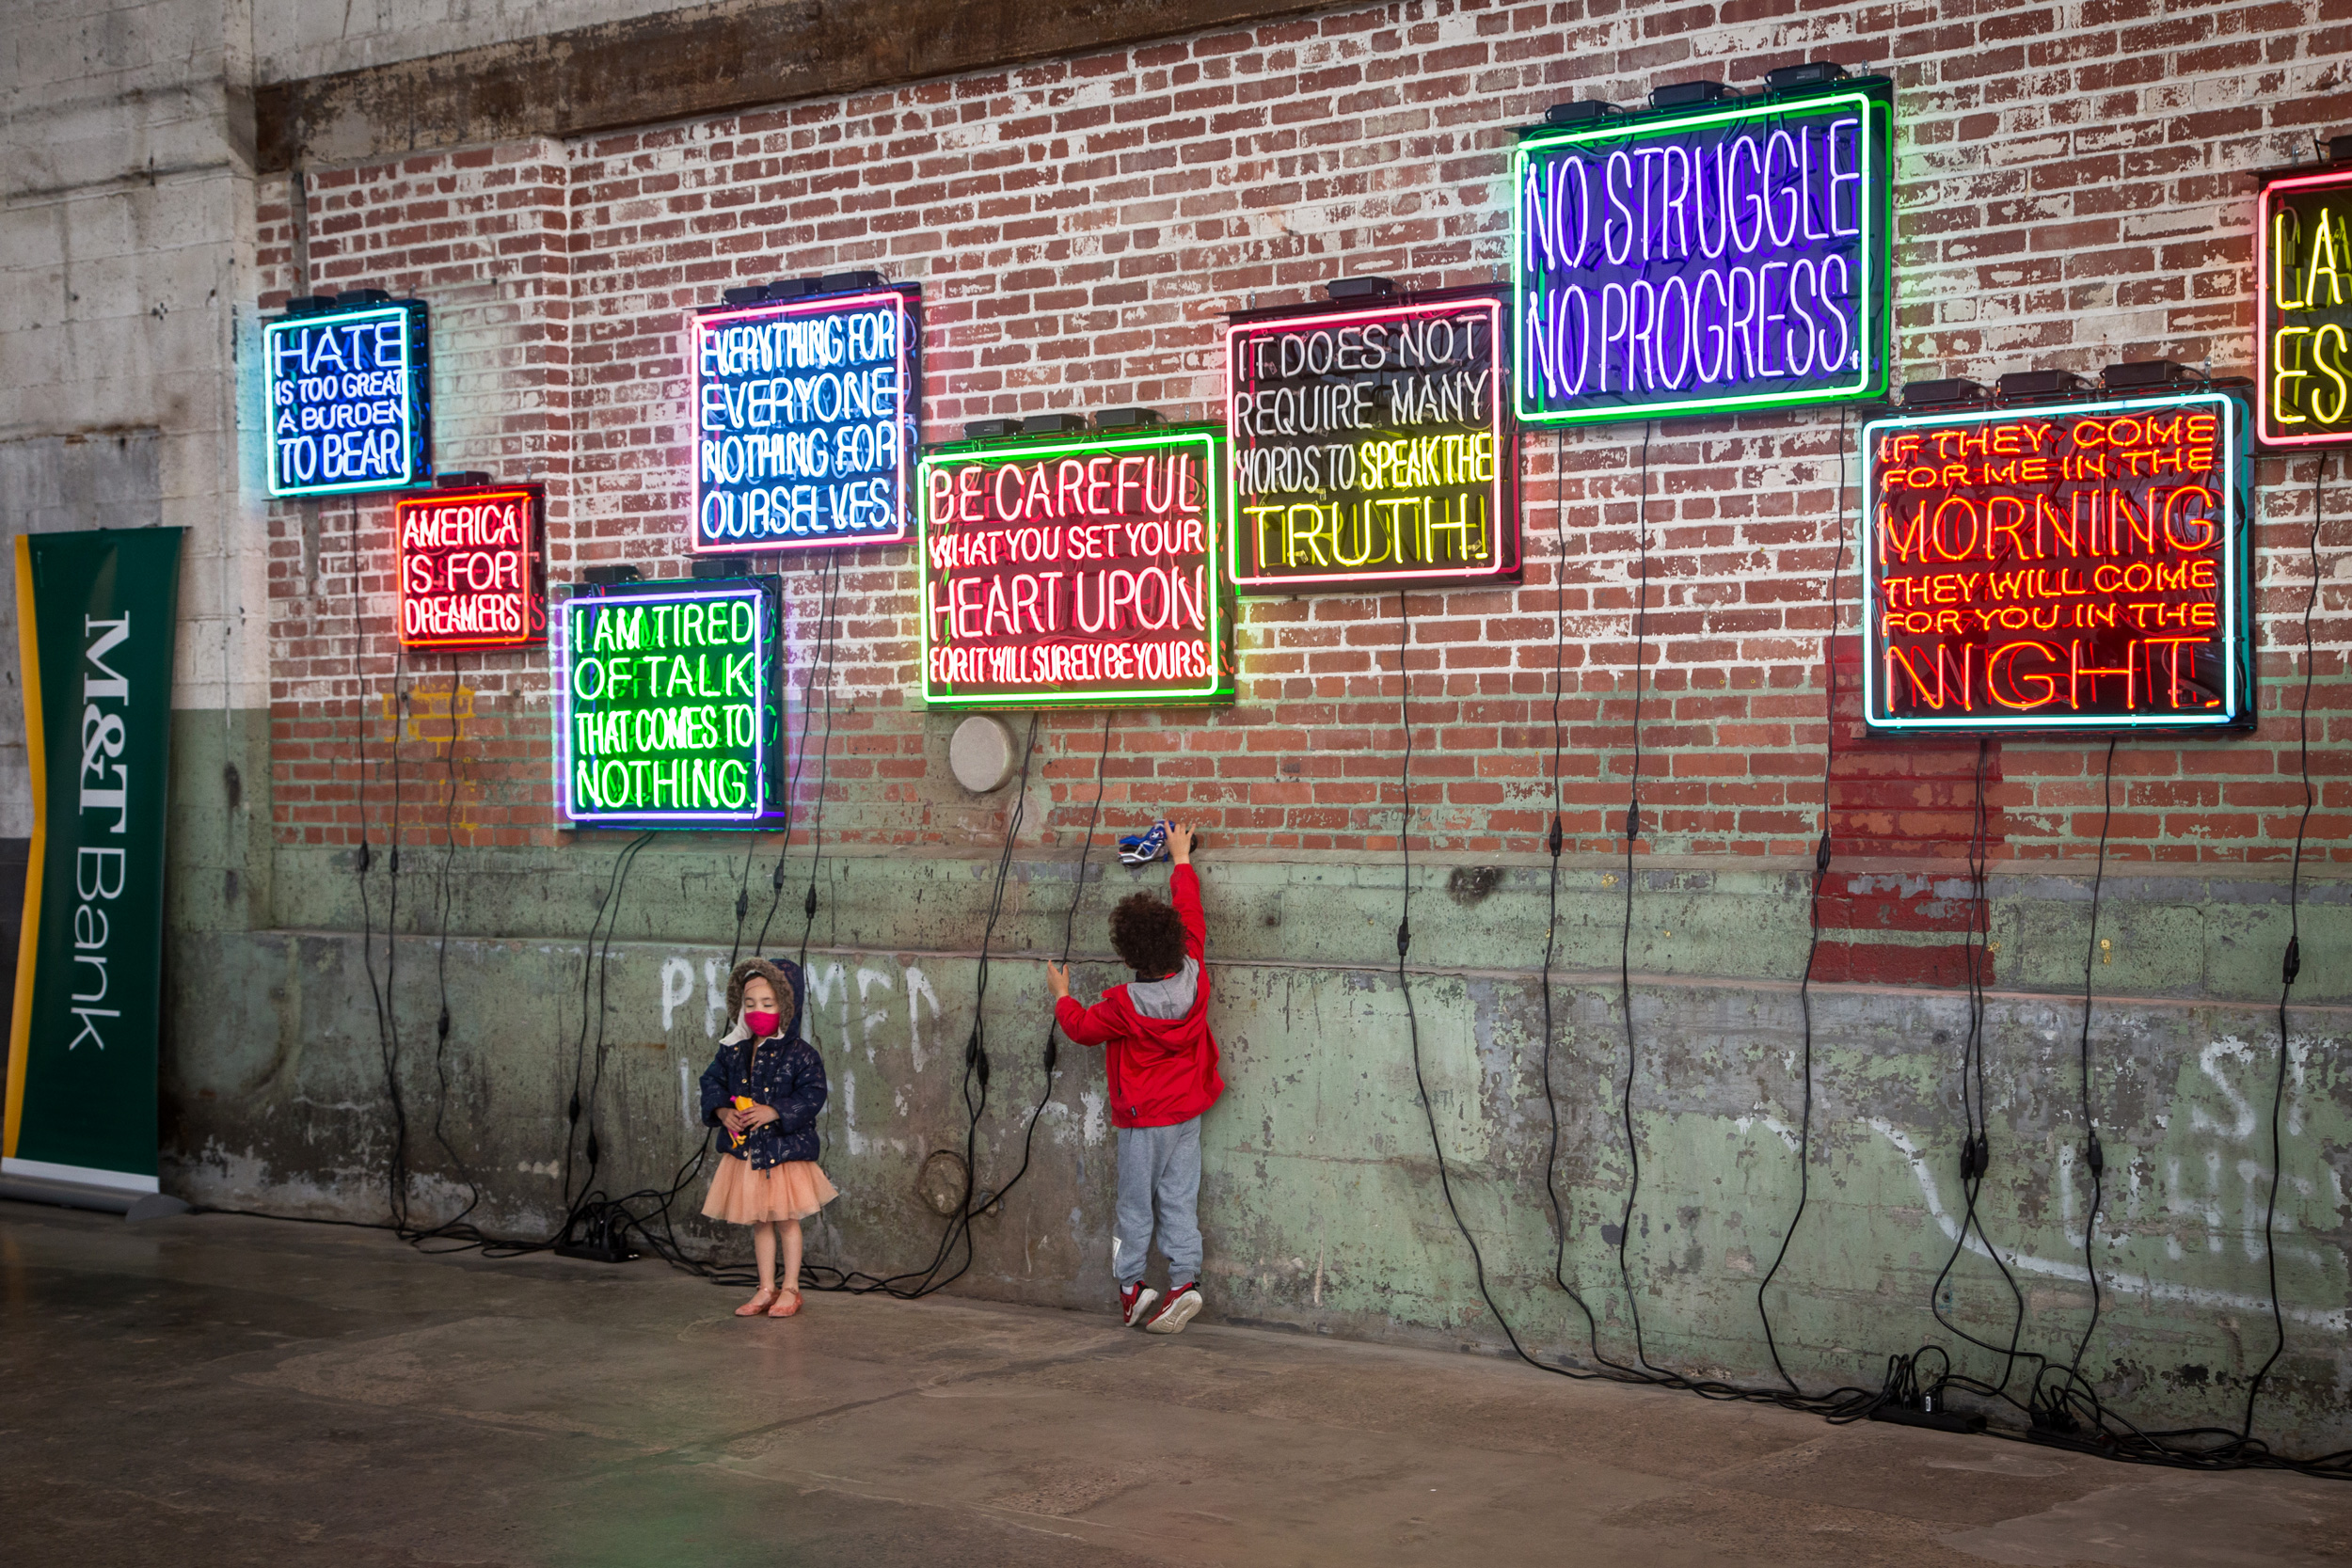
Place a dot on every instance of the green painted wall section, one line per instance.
(1320, 1193)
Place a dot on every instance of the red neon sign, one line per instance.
(1372, 447)
(1075, 572)
(2075, 566)
(472, 568)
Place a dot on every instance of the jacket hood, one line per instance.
(785, 976)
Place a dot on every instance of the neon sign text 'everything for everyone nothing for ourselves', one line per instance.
(347, 407)
(1719, 259)
(1074, 572)
(806, 413)
(665, 714)
(2078, 567)
(1371, 446)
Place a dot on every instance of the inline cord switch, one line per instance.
(2095, 1157)
(2293, 962)
(1555, 835)
(444, 1023)
(1820, 857)
(808, 904)
(1403, 937)
(1632, 823)
(742, 904)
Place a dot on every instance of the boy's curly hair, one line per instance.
(1148, 935)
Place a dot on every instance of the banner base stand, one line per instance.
(81, 1194)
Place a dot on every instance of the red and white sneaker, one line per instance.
(1182, 1301)
(1135, 1301)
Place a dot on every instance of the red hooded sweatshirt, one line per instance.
(1163, 1071)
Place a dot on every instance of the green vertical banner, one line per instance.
(96, 618)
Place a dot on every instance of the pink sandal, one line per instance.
(781, 1310)
(759, 1304)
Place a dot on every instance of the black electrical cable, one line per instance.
(1813, 919)
(2292, 964)
(2093, 1155)
(824, 779)
(1624, 945)
(799, 754)
(597, 962)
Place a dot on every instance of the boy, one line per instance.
(1162, 1061)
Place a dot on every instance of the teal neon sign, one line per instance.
(348, 409)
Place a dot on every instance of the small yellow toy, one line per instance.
(743, 1103)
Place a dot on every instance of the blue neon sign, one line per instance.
(1705, 262)
(348, 409)
(806, 418)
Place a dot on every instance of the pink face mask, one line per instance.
(763, 1025)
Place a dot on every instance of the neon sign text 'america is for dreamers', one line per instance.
(665, 715)
(2078, 567)
(1371, 446)
(472, 568)
(1711, 261)
(347, 405)
(1081, 572)
(806, 413)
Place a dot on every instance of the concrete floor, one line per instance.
(215, 1391)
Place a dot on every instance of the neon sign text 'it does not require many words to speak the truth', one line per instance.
(1371, 446)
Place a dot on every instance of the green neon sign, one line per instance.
(1078, 572)
(1707, 261)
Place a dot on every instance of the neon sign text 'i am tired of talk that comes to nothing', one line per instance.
(1075, 572)
(664, 714)
(2079, 566)
(347, 405)
(1712, 261)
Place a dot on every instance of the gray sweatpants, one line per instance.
(1162, 1166)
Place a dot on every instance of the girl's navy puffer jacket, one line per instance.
(782, 1070)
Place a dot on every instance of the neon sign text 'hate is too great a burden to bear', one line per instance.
(665, 715)
(347, 405)
(1371, 446)
(2303, 291)
(2078, 567)
(472, 568)
(1715, 259)
(806, 413)
(1075, 572)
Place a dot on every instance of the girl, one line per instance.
(763, 1091)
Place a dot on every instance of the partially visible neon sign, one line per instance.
(806, 413)
(1712, 261)
(472, 568)
(2075, 566)
(1371, 446)
(2303, 294)
(665, 713)
(347, 403)
(1080, 572)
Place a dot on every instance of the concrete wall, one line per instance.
(2074, 191)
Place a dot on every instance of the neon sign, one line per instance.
(1705, 261)
(2074, 566)
(347, 405)
(1371, 446)
(2303, 292)
(666, 716)
(1077, 572)
(806, 415)
(472, 568)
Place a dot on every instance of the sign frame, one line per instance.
(907, 298)
(1503, 493)
(1873, 97)
(766, 593)
(2269, 419)
(2235, 457)
(533, 589)
(416, 399)
(1219, 612)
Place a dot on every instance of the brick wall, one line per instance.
(2073, 190)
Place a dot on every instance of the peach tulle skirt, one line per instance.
(791, 1191)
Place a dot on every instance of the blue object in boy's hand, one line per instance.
(1143, 848)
